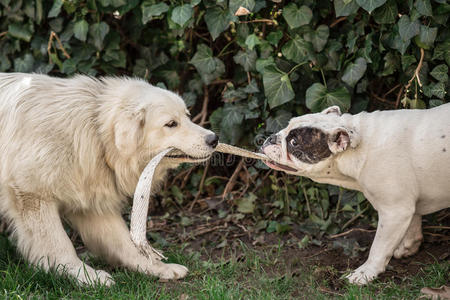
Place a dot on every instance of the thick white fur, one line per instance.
(74, 149)
(399, 159)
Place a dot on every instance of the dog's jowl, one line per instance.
(399, 159)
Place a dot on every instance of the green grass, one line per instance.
(253, 275)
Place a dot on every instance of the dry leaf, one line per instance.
(242, 11)
(436, 293)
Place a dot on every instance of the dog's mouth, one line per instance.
(279, 167)
(182, 156)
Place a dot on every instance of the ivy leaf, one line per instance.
(370, 5)
(424, 7)
(154, 10)
(354, 71)
(387, 13)
(281, 119)
(274, 37)
(217, 20)
(440, 73)
(98, 31)
(296, 17)
(438, 90)
(246, 205)
(235, 4)
(69, 66)
(203, 59)
(320, 37)
(56, 9)
(297, 50)
(182, 14)
(234, 115)
(251, 41)
(246, 59)
(25, 64)
(80, 30)
(426, 37)
(19, 32)
(318, 98)
(408, 29)
(262, 63)
(277, 86)
(344, 8)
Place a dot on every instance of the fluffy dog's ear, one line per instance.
(341, 138)
(128, 132)
(332, 110)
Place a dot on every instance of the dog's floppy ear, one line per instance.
(128, 131)
(342, 138)
(332, 110)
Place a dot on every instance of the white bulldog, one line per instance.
(399, 159)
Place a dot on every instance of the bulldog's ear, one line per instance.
(128, 131)
(332, 110)
(341, 138)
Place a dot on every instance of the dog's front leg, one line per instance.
(392, 226)
(42, 239)
(107, 235)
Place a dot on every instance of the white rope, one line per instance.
(138, 223)
(139, 211)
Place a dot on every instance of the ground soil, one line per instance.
(221, 239)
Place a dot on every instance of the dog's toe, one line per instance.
(95, 277)
(362, 275)
(170, 271)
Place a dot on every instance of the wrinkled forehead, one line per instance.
(320, 121)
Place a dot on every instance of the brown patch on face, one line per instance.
(307, 144)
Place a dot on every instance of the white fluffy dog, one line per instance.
(74, 149)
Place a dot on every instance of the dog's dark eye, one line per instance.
(293, 142)
(172, 124)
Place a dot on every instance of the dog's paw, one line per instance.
(95, 277)
(408, 247)
(172, 271)
(363, 275)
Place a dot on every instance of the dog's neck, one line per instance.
(343, 168)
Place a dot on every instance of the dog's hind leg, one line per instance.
(411, 241)
(41, 238)
(107, 236)
(392, 226)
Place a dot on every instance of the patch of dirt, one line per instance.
(223, 238)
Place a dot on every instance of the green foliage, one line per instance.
(282, 59)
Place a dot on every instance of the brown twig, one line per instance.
(399, 97)
(349, 231)
(391, 90)
(262, 180)
(232, 181)
(355, 217)
(53, 35)
(266, 21)
(416, 73)
(3, 33)
(337, 21)
(437, 227)
(200, 187)
(204, 112)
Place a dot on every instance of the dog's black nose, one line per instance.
(212, 140)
